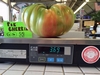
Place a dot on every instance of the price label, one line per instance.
(16, 30)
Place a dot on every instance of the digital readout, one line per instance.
(51, 50)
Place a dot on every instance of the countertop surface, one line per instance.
(44, 69)
(86, 41)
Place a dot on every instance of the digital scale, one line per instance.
(50, 50)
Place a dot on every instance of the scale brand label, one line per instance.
(16, 30)
(12, 53)
(90, 54)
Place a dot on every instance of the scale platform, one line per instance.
(78, 51)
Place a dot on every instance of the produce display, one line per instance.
(48, 22)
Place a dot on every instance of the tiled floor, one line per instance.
(37, 69)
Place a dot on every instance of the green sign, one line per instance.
(16, 30)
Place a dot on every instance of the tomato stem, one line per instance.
(48, 7)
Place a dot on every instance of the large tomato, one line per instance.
(48, 22)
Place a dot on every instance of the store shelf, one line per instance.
(37, 69)
(82, 19)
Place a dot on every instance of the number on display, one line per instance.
(54, 49)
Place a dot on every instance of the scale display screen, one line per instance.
(50, 50)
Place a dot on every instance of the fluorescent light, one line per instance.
(81, 6)
(5, 1)
(58, 0)
(13, 3)
(87, 0)
(64, 0)
(61, 0)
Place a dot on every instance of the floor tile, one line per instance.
(90, 70)
(13, 72)
(92, 74)
(33, 73)
(73, 74)
(54, 68)
(98, 68)
(71, 69)
(19, 67)
(5, 65)
(53, 73)
(2, 71)
(36, 67)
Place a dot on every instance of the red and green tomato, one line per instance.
(44, 22)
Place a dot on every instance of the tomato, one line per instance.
(44, 22)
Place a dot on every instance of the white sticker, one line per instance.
(12, 53)
(90, 54)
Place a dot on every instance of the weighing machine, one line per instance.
(51, 50)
